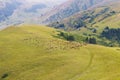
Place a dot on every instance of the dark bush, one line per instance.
(67, 36)
(70, 38)
(111, 34)
(4, 75)
(91, 40)
(94, 31)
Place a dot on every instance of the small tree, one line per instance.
(70, 38)
(92, 40)
(61, 34)
(94, 31)
(67, 36)
(87, 40)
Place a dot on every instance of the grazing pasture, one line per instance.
(31, 52)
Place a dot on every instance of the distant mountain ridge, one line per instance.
(14, 12)
(43, 13)
(69, 8)
(93, 15)
(7, 8)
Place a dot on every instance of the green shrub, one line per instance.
(91, 40)
(4, 75)
(67, 36)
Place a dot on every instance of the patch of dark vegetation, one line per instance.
(67, 36)
(111, 34)
(73, 24)
(57, 25)
(4, 76)
(76, 23)
(91, 40)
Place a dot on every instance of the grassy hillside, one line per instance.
(34, 53)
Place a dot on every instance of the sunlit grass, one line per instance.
(33, 53)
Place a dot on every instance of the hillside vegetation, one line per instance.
(31, 52)
(92, 23)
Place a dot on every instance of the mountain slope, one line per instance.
(7, 8)
(69, 8)
(30, 52)
(14, 12)
(93, 22)
(90, 18)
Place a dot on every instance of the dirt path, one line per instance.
(87, 67)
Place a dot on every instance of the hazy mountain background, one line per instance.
(69, 8)
(24, 11)
(14, 12)
(72, 7)
(91, 16)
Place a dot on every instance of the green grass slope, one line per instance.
(31, 52)
(112, 20)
